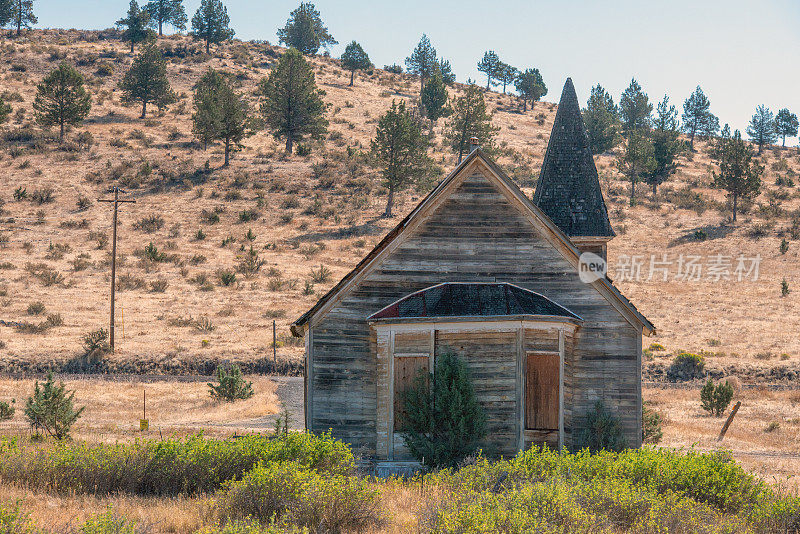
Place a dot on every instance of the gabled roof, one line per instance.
(473, 299)
(568, 190)
(476, 159)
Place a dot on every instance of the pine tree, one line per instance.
(530, 86)
(51, 408)
(211, 23)
(637, 159)
(445, 70)
(6, 12)
(5, 110)
(62, 99)
(354, 58)
(434, 99)
(508, 75)
(715, 399)
(470, 119)
(293, 105)
(22, 15)
(666, 144)
(399, 150)
(444, 420)
(422, 61)
(305, 30)
(146, 81)
(738, 174)
(135, 24)
(220, 113)
(601, 118)
(491, 66)
(762, 127)
(634, 108)
(785, 124)
(697, 119)
(167, 12)
(231, 385)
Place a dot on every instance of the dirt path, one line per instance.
(290, 396)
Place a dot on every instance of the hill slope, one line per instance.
(316, 216)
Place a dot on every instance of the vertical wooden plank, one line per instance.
(520, 386)
(561, 389)
(432, 352)
(390, 397)
(309, 381)
(640, 423)
(383, 421)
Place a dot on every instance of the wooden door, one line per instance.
(406, 369)
(541, 391)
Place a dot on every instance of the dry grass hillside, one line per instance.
(311, 218)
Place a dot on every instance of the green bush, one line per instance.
(232, 385)
(444, 423)
(51, 409)
(289, 494)
(174, 466)
(561, 505)
(686, 366)
(715, 399)
(651, 424)
(15, 521)
(108, 522)
(7, 411)
(603, 431)
(96, 341)
(642, 490)
(249, 526)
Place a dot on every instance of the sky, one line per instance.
(742, 53)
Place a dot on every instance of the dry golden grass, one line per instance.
(728, 318)
(773, 455)
(113, 408)
(56, 513)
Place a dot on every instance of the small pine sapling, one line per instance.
(651, 424)
(232, 385)
(7, 410)
(443, 422)
(716, 398)
(51, 408)
(603, 431)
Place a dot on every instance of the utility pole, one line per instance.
(116, 202)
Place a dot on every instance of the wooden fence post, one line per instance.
(728, 422)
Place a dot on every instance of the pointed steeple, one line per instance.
(568, 190)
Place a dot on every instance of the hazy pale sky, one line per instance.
(742, 52)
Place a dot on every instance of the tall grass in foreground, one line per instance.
(303, 483)
(169, 467)
(290, 495)
(645, 490)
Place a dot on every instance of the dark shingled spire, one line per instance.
(568, 190)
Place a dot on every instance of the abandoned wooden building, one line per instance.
(480, 269)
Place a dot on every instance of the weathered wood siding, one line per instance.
(475, 235)
(492, 360)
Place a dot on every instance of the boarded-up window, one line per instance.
(406, 369)
(541, 391)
